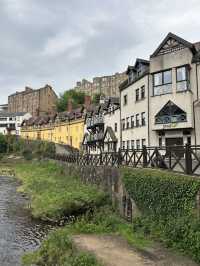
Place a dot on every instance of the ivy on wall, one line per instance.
(167, 202)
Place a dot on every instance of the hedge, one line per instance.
(167, 202)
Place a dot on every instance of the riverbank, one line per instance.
(56, 192)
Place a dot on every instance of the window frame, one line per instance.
(132, 121)
(142, 92)
(163, 84)
(125, 99)
(143, 119)
(127, 122)
(187, 74)
(137, 95)
(137, 120)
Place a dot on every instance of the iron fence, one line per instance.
(184, 159)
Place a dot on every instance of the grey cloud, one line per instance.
(60, 42)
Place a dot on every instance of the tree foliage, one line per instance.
(76, 97)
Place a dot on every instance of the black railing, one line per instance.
(184, 159)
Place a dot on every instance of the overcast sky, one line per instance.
(59, 42)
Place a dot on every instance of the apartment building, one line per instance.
(160, 103)
(36, 102)
(105, 85)
(10, 123)
(134, 96)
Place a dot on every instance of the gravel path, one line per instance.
(114, 251)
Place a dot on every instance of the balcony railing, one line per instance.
(166, 119)
(94, 138)
(95, 121)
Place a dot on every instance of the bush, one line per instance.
(168, 205)
(3, 143)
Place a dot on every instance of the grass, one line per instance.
(58, 248)
(55, 194)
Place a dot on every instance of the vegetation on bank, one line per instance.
(56, 192)
(58, 248)
(167, 202)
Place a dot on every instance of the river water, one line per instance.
(18, 232)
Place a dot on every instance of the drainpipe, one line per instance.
(120, 116)
(197, 82)
(148, 99)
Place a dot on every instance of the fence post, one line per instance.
(119, 157)
(144, 154)
(188, 159)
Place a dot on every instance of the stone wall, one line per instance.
(110, 180)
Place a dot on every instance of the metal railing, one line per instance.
(184, 159)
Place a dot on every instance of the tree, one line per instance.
(76, 97)
(3, 144)
(96, 98)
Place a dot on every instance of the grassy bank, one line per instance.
(55, 193)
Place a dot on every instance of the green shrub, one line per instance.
(3, 143)
(168, 205)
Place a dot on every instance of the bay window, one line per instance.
(162, 82)
(182, 78)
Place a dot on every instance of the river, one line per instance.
(18, 231)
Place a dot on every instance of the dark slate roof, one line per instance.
(142, 61)
(129, 68)
(187, 44)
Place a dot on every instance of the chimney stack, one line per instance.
(87, 101)
(69, 105)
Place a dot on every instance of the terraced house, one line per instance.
(160, 99)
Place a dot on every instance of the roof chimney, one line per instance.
(69, 105)
(87, 101)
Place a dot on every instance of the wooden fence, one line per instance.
(184, 159)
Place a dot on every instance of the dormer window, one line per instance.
(131, 76)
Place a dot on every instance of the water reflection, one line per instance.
(18, 232)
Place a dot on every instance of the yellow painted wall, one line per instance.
(70, 133)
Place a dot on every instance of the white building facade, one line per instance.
(10, 123)
(160, 104)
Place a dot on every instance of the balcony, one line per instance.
(94, 122)
(166, 119)
(95, 138)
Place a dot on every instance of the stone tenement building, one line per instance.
(106, 85)
(36, 102)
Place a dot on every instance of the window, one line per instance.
(115, 127)
(142, 92)
(143, 119)
(182, 78)
(137, 95)
(123, 124)
(132, 121)
(125, 99)
(127, 144)
(123, 145)
(162, 82)
(132, 144)
(143, 142)
(127, 123)
(137, 120)
(160, 142)
(137, 144)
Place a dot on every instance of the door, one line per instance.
(176, 145)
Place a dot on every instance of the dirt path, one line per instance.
(114, 251)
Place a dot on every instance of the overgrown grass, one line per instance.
(55, 194)
(58, 248)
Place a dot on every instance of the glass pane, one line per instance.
(182, 86)
(181, 73)
(167, 75)
(157, 79)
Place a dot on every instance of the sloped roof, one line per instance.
(178, 39)
(111, 133)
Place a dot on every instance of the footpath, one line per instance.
(114, 251)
